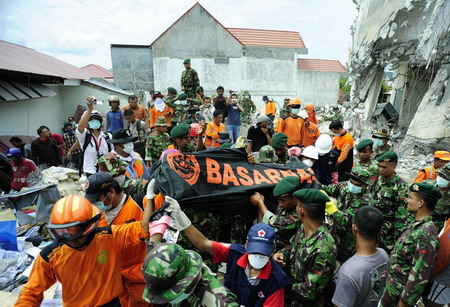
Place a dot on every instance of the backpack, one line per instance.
(87, 141)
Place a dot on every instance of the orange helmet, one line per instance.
(294, 101)
(309, 107)
(73, 217)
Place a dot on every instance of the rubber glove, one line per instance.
(151, 189)
(179, 217)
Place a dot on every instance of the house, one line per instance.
(97, 71)
(37, 89)
(264, 62)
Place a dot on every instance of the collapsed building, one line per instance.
(412, 39)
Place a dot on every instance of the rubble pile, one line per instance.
(410, 165)
(66, 180)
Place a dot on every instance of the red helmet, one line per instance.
(194, 129)
(73, 217)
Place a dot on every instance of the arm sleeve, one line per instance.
(348, 144)
(33, 153)
(269, 218)
(282, 126)
(152, 117)
(402, 218)
(421, 176)
(346, 292)
(41, 278)
(220, 251)
(250, 133)
(276, 299)
(128, 235)
(421, 271)
(145, 115)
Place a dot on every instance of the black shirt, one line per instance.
(220, 103)
(257, 137)
(45, 152)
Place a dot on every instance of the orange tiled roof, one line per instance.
(268, 38)
(94, 70)
(320, 65)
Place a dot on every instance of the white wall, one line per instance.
(318, 88)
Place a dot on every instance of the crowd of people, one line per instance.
(359, 236)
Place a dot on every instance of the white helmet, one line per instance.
(303, 114)
(311, 152)
(324, 144)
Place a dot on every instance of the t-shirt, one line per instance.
(361, 280)
(293, 128)
(234, 115)
(91, 154)
(20, 174)
(257, 137)
(58, 140)
(139, 112)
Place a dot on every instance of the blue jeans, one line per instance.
(233, 130)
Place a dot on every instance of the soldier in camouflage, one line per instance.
(249, 108)
(189, 79)
(310, 259)
(364, 151)
(390, 193)
(351, 195)
(179, 105)
(412, 258)
(178, 277)
(285, 220)
(266, 154)
(279, 143)
(442, 211)
(157, 142)
(381, 137)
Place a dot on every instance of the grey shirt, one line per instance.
(361, 280)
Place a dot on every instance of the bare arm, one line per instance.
(198, 239)
(85, 118)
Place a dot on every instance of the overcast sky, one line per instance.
(80, 32)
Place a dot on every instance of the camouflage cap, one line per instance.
(359, 174)
(287, 185)
(381, 133)
(312, 197)
(427, 190)
(445, 171)
(267, 155)
(161, 121)
(388, 156)
(168, 271)
(187, 61)
(182, 96)
(172, 90)
(246, 93)
(279, 140)
(180, 130)
(364, 144)
(198, 88)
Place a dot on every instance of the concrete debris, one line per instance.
(66, 180)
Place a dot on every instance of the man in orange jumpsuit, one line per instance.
(292, 126)
(118, 209)
(160, 109)
(344, 143)
(85, 259)
(310, 130)
(212, 130)
(271, 108)
(440, 159)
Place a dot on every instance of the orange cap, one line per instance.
(294, 101)
(309, 107)
(443, 155)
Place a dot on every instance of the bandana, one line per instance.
(159, 104)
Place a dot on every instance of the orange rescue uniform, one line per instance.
(344, 143)
(293, 128)
(425, 173)
(90, 276)
(155, 114)
(271, 108)
(212, 134)
(140, 112)
(310, 134)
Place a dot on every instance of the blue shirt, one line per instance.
(234, 115)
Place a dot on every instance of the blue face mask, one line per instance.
(94, 124)
(442, 182)
(353, 188)
(183, 102)
(70, 131)
(378, 142)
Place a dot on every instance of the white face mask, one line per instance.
(258, 261)
(308, 162)
(295, 111)
(378, 142)
(442, 182)
(120, 179)
(128, 147)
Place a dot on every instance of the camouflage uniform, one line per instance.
(390, 197)
(190, 81)
(442, 210)
(378, 151)
(249, 109)
(372, 168)
(285, 223)
(348, 204)
(178, 110)
(155, 145)
(412, 261)
(169, 261)
(284, 159)
(310, 262)
(266, 155)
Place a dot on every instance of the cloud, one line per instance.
(81, 32)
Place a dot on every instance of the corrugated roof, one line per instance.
(320, 65)
(268, 38)
(94, 70)
(22, 59)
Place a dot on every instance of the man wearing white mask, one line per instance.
(92, 139)
(160, 109)
(123, 146)
(251, 274)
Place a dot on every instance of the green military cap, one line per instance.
(266, 155)
(182, 96)
(168, 271)
(381, 133)
(198, 88)
(187, 61)
(279, 140)
(445, 171)
(426, 189)
(180, 130)
(161, 121)
(287, 185)
(187, 121)
(364, 144)
(388, 156)
(226, 145)
(172, 90)
(359, 174)
(312, 197)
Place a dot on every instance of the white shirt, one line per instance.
(91, 155)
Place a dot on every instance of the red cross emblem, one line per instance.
(260, 294)
(261, 233)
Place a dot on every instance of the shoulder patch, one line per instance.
(104, 230)
(48, 251)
